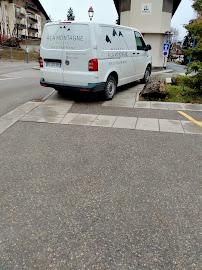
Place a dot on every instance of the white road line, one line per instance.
(11, 78)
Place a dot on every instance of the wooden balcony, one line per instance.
(30, 8)
(32, 29)
(32, 20)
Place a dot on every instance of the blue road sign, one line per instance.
(166, 47)
(165, 53)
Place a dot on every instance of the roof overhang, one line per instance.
(121, 3)
(40, 7)
(117, 4)
(175, 5)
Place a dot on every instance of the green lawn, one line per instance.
(188, 95)
(18, 55)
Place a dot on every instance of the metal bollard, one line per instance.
(11, 54)
(27, 51)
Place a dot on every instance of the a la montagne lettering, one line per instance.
(65, 38)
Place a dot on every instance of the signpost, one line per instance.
(166, 47)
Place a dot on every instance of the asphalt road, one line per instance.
(19, 83)
(79, 197)
(9, 67)
(76, 197)
(176, 68)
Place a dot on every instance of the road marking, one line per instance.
(10, 78)
(190, 118)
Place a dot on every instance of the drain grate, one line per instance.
(38, 100)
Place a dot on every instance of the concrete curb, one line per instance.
(36, 68)
(162, 71)
(171, 103)
(47, 96)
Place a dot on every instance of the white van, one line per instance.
(92, 57)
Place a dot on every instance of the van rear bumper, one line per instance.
(92, 87)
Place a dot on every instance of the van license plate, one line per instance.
(53, 64)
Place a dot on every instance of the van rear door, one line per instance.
(76, 54)
(51, 51)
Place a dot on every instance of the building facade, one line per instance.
(152, 18)
(22, 19)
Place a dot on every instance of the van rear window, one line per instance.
(66, 36)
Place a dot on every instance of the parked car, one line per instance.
(92, 57)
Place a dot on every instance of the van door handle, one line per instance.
(138, 53)
(134, 53)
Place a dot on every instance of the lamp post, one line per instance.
(168, 33)
(90, 13)
(26, 35)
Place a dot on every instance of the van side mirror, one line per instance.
(148, 48)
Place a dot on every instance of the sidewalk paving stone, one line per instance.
(104, 121)
(159, 105)
(193, 107)
(142, 104)
(133, 90)
(175, 106)
(40, 119)
(28, 106)
(13, 115)
(47, 108)
(68, 118)
(57, 100)
(58, 103)
(128, 103)
(123, 95)
(125, 122)
(83, 119)
(170, 126)
(147, 124)
(50, 111)
(191, 127)
(5, 124)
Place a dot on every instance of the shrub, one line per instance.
(177, 79)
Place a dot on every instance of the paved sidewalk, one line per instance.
(129, 98)
(149, 124)
(56, 110)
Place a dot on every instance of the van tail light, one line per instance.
(93, 65)
(41, 62)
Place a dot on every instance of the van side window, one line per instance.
(139, 41)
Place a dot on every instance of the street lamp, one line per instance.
(26, 35)
(168, 33)
(90, 13)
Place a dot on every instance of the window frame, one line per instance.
(142, 41)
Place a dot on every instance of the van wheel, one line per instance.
(146, 75)
(110, 88)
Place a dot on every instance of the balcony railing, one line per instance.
(32, 20)
(32, 29)
(29, 37)
(31, 7)
(21, 26)
(20, 15)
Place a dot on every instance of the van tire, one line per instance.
(110, 88)
(146, 75)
